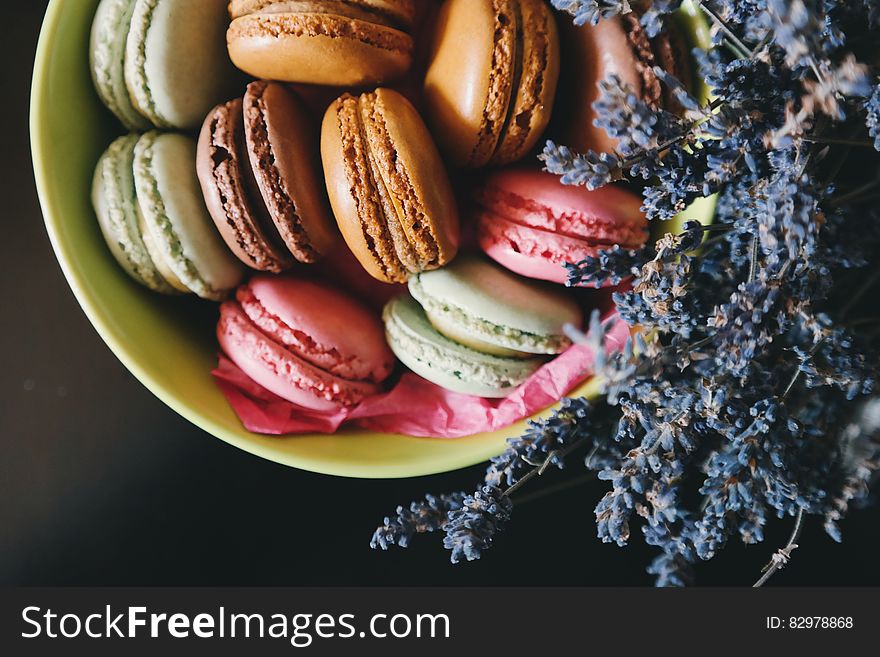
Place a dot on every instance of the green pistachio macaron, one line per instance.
(445, 362)
(475, 328)
(176, 66)
(107, 56)
(479, 304)
(116, 205)
(161, 63)
(175, 225)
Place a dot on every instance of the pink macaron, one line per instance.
(305, 341)
(533, 225)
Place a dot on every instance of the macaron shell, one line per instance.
(160, 255)
(324, 326)
(532, 102)
(538, 199)
(354, 200)
(493, 305)
(318, 49)
(176, 67)
(467, 92)
(592, 53)
(107, 57)
(284, 151)
(226, 178)
(174, 213)
(416, 178)
(530, 252)
(280, 371)
(115, 203)
(448, 364)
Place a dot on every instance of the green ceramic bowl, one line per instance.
(167, 343)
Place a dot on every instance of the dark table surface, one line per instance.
(101, 484)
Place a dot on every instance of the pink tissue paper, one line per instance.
(414, 406)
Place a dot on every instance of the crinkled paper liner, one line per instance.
(414, 406)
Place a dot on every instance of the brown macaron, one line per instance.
(387, 185)
(615, 46)
(259, 171)
(328, 42)
(492, 78)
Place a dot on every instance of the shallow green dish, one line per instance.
(167, 343)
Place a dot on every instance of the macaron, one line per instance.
(446, 363)
(161, 62)
(477, 329)
(259, 167)
(616, 46)
(327, 42)
(175, 226)
(491, 80)
(107, 56)
(295, 337)
(116, 205)
(533, 225)
(387, 185)
(480, 305)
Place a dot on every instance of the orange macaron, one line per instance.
(491, 80)
(329, 42)
(387, 185)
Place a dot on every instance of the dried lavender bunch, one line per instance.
(750, 393)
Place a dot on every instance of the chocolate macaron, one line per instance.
(492, 78)
(617, 46)
(387, 185)
(329, 42)
(260, 174)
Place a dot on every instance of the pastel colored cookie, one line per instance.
(329, 42)
(615, 46)
(175, 226)
(445, 362)
(478, 304)
(534, 225)
(175, 63)
(258, 165)
(388, 187)
(115, 203)
(294, 337)
(492, 78)
(107, 57)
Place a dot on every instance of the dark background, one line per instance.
(101, 484)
